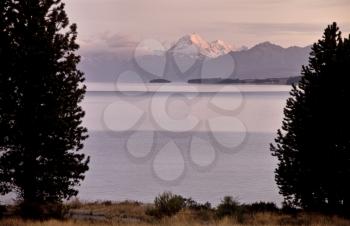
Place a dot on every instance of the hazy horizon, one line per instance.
(240, 23)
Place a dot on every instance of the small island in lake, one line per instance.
(269, 81)
(159, 80)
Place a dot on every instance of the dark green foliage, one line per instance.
(232, 208)
(261, 207)
(201, 211)
(313, 147)
(167, 204)
(193, 205)
(40, 91)
(289, 209)
(228, 207)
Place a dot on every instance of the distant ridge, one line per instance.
(265, 60)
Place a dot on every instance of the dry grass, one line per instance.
(114, 211)
(183, 219)
(179, 220)
(134, 214)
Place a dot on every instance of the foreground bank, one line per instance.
(173, 210)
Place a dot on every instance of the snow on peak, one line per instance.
(197, 40)
(221, 47)
(194, 44)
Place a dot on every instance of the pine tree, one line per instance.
(40, 90)
(313, 147)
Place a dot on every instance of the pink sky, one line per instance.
(239, 22)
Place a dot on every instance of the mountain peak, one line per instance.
(221, 47)
(195, 43)
(267, 44)
(194, 39)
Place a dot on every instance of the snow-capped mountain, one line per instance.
(192, 57)
(195, 45)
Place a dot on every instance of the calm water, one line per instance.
(203, 142)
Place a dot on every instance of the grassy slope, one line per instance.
(130, 214)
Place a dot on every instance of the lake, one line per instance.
(200, 141)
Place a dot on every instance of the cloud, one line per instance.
(299, 21)
(280, 28)
(108, 42)
(328, 3)
(119, 41)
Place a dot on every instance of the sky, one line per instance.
(122, 23)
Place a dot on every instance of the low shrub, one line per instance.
(193, 205)
(201, 211)
(289, 209)
(231, 208)
(107, 203)
(262, 207)
(228, 207)
(167, 204)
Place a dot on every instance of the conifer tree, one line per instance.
(313, 146)
(40, 90)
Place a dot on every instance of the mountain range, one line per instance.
(192, 57)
